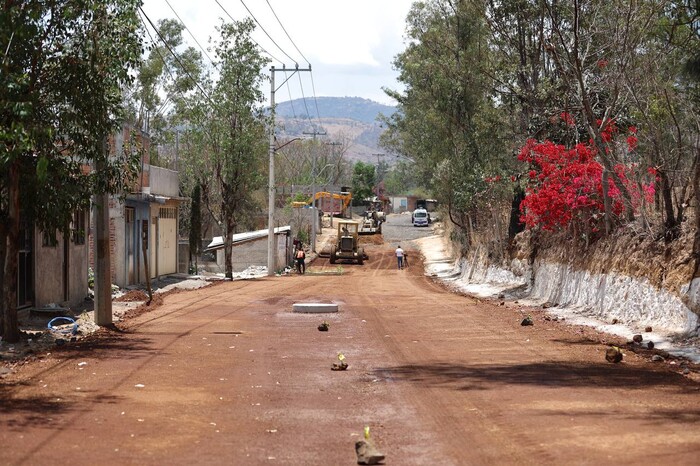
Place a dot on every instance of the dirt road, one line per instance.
(229, 375)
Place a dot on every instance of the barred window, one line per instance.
(78, 227)
(168, 212)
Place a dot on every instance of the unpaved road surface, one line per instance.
(229, 375)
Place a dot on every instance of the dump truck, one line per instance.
(347, 245)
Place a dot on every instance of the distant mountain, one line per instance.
(351, 119)
(351, 108)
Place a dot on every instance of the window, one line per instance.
(49, 240)
(167, 212)
(78, 227)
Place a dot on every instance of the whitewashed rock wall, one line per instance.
(602, 296)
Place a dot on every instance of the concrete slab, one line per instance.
(315, 308)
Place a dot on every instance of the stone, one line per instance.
(637, 338)
(367, 453)
(323, 327)
(650, 345)
(657, 358)
(527, 321)
(340, 366)
(613, 354)
(615, 321)
(648, 329)
(686, 371)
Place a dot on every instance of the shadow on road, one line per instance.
(545, 374)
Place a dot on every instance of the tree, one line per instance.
(363, 181)
(195, 225)
(63, 68)
(225, 140)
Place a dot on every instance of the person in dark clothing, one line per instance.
(300, 258)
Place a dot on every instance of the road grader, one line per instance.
(347, 245)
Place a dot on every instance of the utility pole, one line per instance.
(314, 215)
(271, 244)
(333, 144)
(103, 266)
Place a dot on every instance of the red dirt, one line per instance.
(229, 375)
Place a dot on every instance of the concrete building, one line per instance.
(53, 270)
(250, 248)
(147, 218)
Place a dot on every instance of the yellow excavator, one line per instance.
(335, 204)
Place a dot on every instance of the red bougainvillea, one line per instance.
(565, 185)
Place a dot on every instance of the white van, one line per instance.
(420, 218)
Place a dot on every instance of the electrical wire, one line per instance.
(204, 93)
(192, 35)
(260, 46)
(285, 31)
(263, 30)
(165, 65)
(289, 92)
(313, 89)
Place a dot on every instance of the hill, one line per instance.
(351, 119)
(352, 108)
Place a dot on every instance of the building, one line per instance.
(144, 224)
(250, 249)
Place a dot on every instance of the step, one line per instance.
(315, 308)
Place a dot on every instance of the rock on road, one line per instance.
(227, 374)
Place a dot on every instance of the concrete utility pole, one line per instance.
(271, 246)
(103, 265)
(314, 215)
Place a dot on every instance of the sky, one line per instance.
(350, 44)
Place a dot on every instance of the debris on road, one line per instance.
(527, 321)
(367, 452)
(323, 327)
(613, 354)
(341, 365)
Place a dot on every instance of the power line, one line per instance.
(263, 30)
(188, 30)
(285, 31)
(165, 65)
(174, 56)
(289, 91)
(260, 46)
(313, 89)
(303, 97)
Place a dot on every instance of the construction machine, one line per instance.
(371, 223)
(347, 244)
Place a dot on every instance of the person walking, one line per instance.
(399, 256)
(300, 257)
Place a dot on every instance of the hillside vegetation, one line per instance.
(576, 122)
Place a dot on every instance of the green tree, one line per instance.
(225, 140)
(64, 65)
(363, 181)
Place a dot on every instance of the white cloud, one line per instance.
(350, 44)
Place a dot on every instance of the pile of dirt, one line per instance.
(376, 240)
(132, 296)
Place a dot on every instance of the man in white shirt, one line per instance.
(399, 256)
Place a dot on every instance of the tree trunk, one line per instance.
(10, 329)
(3, 255)
(228, 248)
(147, 269)
(606, 202)
(670, 225)
(696, 242)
